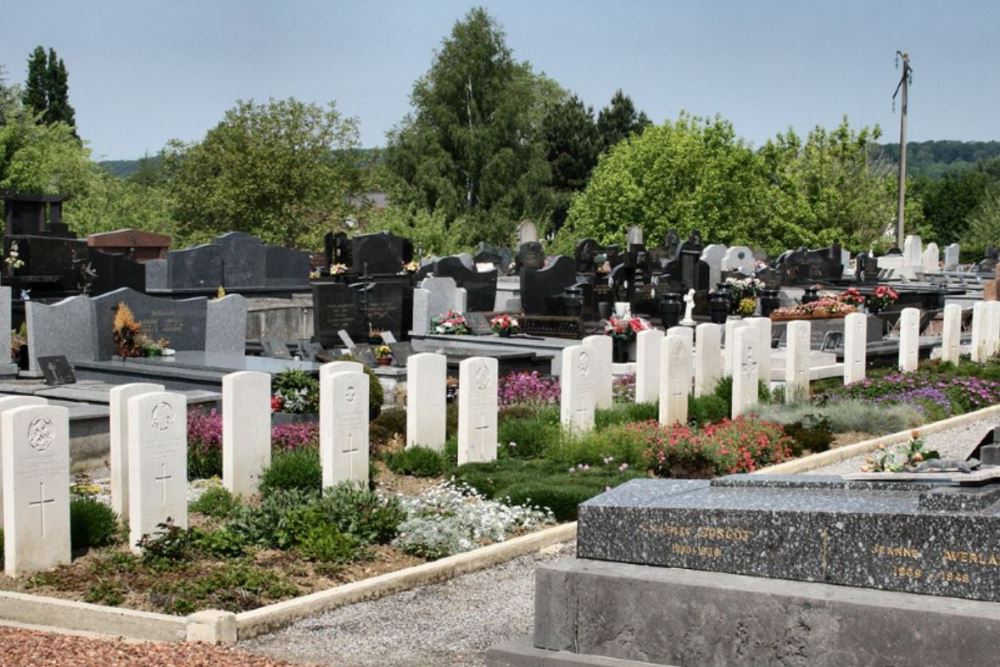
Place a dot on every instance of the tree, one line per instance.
(279, 170)
(692, 174)
(619, 120)
(983, 225)
(46, 91)
(471, 147)
(572, 145)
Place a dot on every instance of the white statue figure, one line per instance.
(688, 320)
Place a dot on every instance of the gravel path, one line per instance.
(954, 443)
(24, 648)
(452, 623)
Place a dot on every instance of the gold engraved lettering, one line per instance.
(908, 572)
(724, 534)
(667, 529)
(971, 557)
(688, 550)
(897, 552)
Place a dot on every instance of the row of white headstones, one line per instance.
(148, 428)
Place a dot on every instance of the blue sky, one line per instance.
(142, 73)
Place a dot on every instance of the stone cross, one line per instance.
(157, 463)
(951, 333)
(9, 403)
(797, 361)
(246, 430)
(118, 436)
(35, 454)
(576, 393)
(746, 375)
(343, 428)
(707, 358)
(601, 353)
(647, 365)
(426, 389)
(909, 340)
(477, 410)
(855, 347)
(676, 360)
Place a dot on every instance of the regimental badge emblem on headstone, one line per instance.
(351, 394)
(583, 362)
(483, 377)
(163, 417)
(40, 436)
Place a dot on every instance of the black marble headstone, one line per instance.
(480, 286)
(389, 306)
(113, 271)
(540, 286)
(381, 253)
(530, 255)
(337, 306)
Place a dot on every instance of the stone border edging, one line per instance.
(833, 456)
(221, 627)
(265, 619)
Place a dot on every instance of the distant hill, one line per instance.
(367, 157)
(935, 158)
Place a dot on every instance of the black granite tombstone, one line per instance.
(501, 258)
(337, 306)
(181, 321)
(112, 271)
(243, 258)
(380, 254)
(337, 248)
(196, 268)
(530, 255)
(480, 286)
(801, 266)
(388, 305)
(542, 289)
(586, 255)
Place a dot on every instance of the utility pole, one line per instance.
(902, 90)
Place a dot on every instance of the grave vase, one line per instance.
(811, 295)
(670, 308)
(619, 350)
(572, 302)
(718, 308)
(769, 302)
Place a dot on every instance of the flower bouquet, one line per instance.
(383, 354)
(338, 269)
(504, 325)
(883, 297)
(741, 289)
(625, 328)
(451, 323)
(411, 267)
(822, 309)
(852, 296)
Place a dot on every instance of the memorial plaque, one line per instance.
(478, 323)
(931, 537)
(57, 370)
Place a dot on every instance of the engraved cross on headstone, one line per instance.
(41, 503)
(162, 479)
(351, 450)
(482, 429)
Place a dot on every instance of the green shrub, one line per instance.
(91, 524)
(846, 416)
(451, 451)
(417, 461)
(624, 413)
(368, 516)
(215, 502)
(706, 409)
(307, 531)
(724, 390)
(389, 424)
(298, 469)
(259, 524)
(562, 499)
(221, 543)
(168, 543)
(617, 444)
(451, 419)
(531, 435)
(298, 391)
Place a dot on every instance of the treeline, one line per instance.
(934, 159)
(490, 141)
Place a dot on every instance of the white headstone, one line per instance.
(855, 347)
(577, 384)
(246, 430)
(909, 339)
(35, 455)
(340, 367)
(600, 353)
(676, 359)
(9, 403)
(979, 332)
(157, 462)
(712, 255)
(845, 262)
(433, 297)
(118, 436)
(647, 366)
(686, 332)
(931, 258)
(951, 257)
(707, 358)
(746, 373)
(477, 410)
(991, 331)
(343, 428)
(913, 251)
(951, 333)
(763, 328)
(732, 324)
(526, 232)
(798, 335)
(738, 258)
(426, 389)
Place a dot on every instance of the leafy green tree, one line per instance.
(279, 170)
(619, 120)
(572, 145)
(691, 174)
(46, 91)
(983, 222)
(471, 148)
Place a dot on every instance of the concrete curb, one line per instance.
(833, 456)
(259, 621)
(221, 627)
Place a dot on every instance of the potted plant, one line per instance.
(504, 325)
(383, 355)
(883, 297)
(623, 331)
(743, 288)
(451, 323)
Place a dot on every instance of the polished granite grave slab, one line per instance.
(931, 537)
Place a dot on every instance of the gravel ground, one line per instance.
(21, 648)
(452, 623)
(954, 443)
